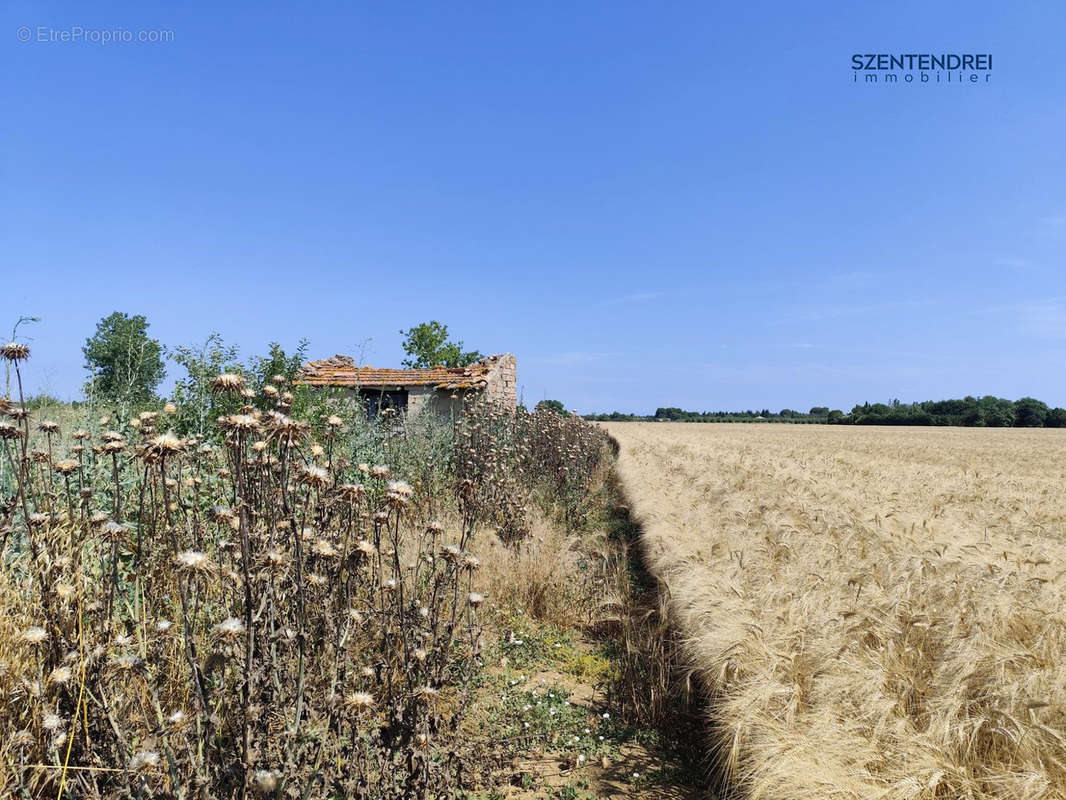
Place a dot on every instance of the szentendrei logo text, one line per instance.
(921, 68)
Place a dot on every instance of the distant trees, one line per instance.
(675, 414)
(124, 364)
(427, 345)
(1030, 413)
(1056, 418)
(986, 412)
(972, 412)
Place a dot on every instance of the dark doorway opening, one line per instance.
(378, 400)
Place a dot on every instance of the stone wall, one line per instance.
(419, 398)
(502, 385)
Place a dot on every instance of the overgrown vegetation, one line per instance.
(254, 599)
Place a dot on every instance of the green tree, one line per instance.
(278, 362)
(1056, 418)
(997, 412)
(262, 369)
(551, 405)
(427, 345)
(1030, 413)
(198, 406)
(125, 366)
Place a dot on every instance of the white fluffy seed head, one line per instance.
(230, 628)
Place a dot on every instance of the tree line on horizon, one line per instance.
(971, 412)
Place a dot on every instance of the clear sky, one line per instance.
(650, 204)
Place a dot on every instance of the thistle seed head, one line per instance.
(314, 476)
(228, 383)
(266, 781)
(193, 562)
(324, 548)
(60, 676)
(67, 466)
(34, 635)
(230, 628)
(239, 422)
(113, 530)
(51, 722)
(165, 444)
(144, 761)
(13, 351)
(360, 701)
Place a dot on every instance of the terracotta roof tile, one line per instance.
(342, 371)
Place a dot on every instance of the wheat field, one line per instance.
(877, 612)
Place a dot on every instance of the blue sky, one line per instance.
(684, 204)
